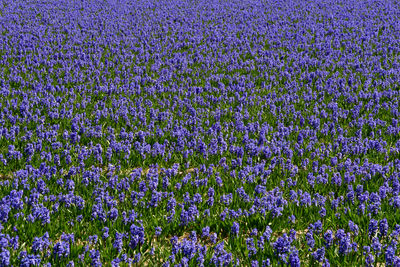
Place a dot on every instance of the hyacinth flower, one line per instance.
(182, 117)
(235, 229)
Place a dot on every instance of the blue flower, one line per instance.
(105, 232)
(213, 238)
(372, 227)
(282, 246)
(292, 219)
(235, 229)
(41, 243)
(319, 254)
(390, 255)
(5, 257)
(345, 245)
(294, 259)
(369, 260)
(70, 238)
(310, 239)
(383, 227)
(158, 231)
(61, 249)
(328, 237)
(27, 260)
(137, 236)
(205, 232)
(41, 213)
(95, 256)
(376, 245)
(113, 214)
(353, 227)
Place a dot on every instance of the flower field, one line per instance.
(199, 133)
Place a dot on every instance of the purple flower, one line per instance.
(137, 257)
(41, 213)
(235, 229)
(171, 204)
(226, 199)
(345, 245)
(294, 259)
(251, 247)
(158, 231)
(205, 232)
(41, 243)
(93, 239)
(383, 227)
(376, 245)
(390, 255)
(118, 241)
(79, 218)
(5, 257)
(70, 238)
(95, 256)
(353, 227)
(254, 263)
(267, 233)
(137, 236)
(105, 232)
(28, 259)
(282, 246)
(328, 237)
(115, 262)
(213, 238)
(322, 212)
(61, 249)
(372, 227)
(266, 262)
(113, 214)
(317, 227)
(319, 254)
(369, 260)
(193, 236)
(310, 239)
(254, 232)
(326, 263)
(305, 199)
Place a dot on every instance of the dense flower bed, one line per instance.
(194, 133)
